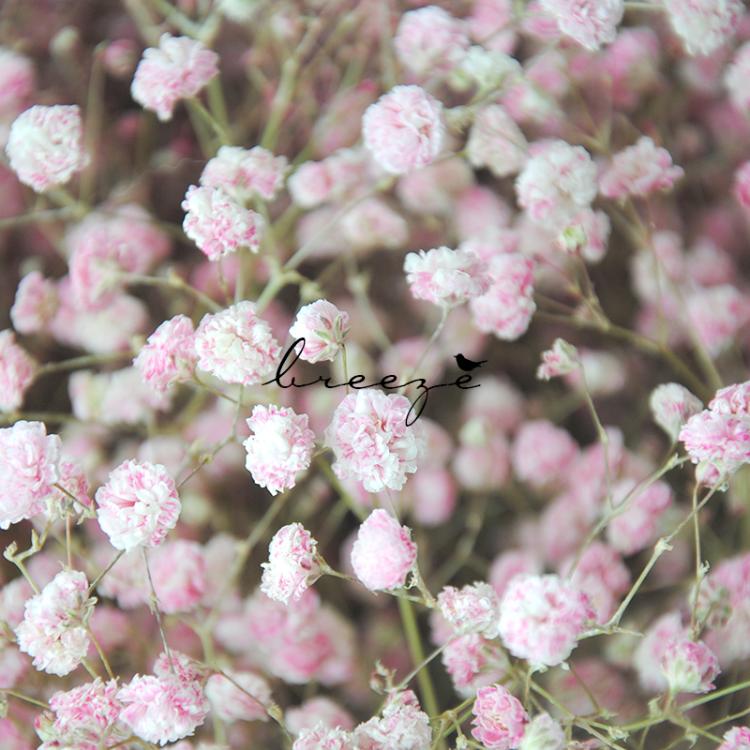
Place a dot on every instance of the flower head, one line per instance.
(324, 327)
(245, 174)
(499, 718)
(168, 356)
(292, 565)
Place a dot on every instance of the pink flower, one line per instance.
(373, 224)
(704, 25)
(507, 307)
(138, 505)
(719, 439)
(280, 447)
(734, 399)
(403, 130)
(383, 554)
(637, 526)
(35, 304)
(741, 181)
(557, 182)
(542, 453)
(591, 23)
(499, 718)
(372, 442)
(17, 75)
(317, 182)
(473, 661)
(561, 359)
(429, 40)
(689, 666)
(496, 142)
(509, 564)
(586, 235)
(671, 406)
(178, 570)
(236, 345)
(17, 371)
(737, 738)
(324, 327)
(736, 78)
(632, 64)
(248, 702)
(245, 174)
(53, 628)
(402, 725)
(45, 146)
(162, 709)
(446, 277)
(292, 565)
(639, 171)
(718, 314)
(318, 710)
(168, 356)
(321, 737)
(471, 609)
(29, 466)
(651, 648)
(178, 69)
(218, 224)
(87, 714)
(541, 618)
(543, 733)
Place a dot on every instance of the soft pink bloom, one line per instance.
(602, 575)
(718, 314)
(587, 235)
(542, 453)
(637, 526)
(473, 661)
(45, 146)
(507, 307)
(402, 725)
(373, 224)
(372, 442)
(509, 564)
(737, 738)
(218, 224)
(29, 466)
(704, 25)
(245, 173)
(541, 618)
(632, 65)
(35, 303)
(292, 565)
(446, 277)
(499, 718)
(435, 495)
(671, 406)
(332, 179)
(736, 78)
(639, 171)
(722, 440)
(383, 554)
(178, 570)
(651, 648)
(17, 77)
(689, 666)
(52, 630)
(138, 505)
(236, 345)
(591, 23)
(429, 41)
(557, 182)
(162, 709)
(73, 480)
(543, 733)
(471, 609)
(403, 130)
(17, 371)
(324, 327)
(232, 703)
(177, 69)
(561, 359)
(318, 710)
(435, 188)
(168, 356)
(280, 447)
(321, 737)
(483, 465)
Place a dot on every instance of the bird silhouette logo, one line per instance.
(467, 365)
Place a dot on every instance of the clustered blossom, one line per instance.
(168, 356)
(292, 565)
(239, 696)
(324, 328)
(471, 609)
(404, 130)
(45, 146)
(737, 738)
(672, 405)
(496, 142)
(591, 23)
(35, 304)
(245, 173)
(179, 68)
(446, 277)
(218, 224)
(499, 718)
(561, 359)
(236, 345)
(53, 629)
(372, 442)
(689, 666)
(138, 505)
(17, 371)
(383, 554)
(639, 171)
(280, 447)
(704, 25)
